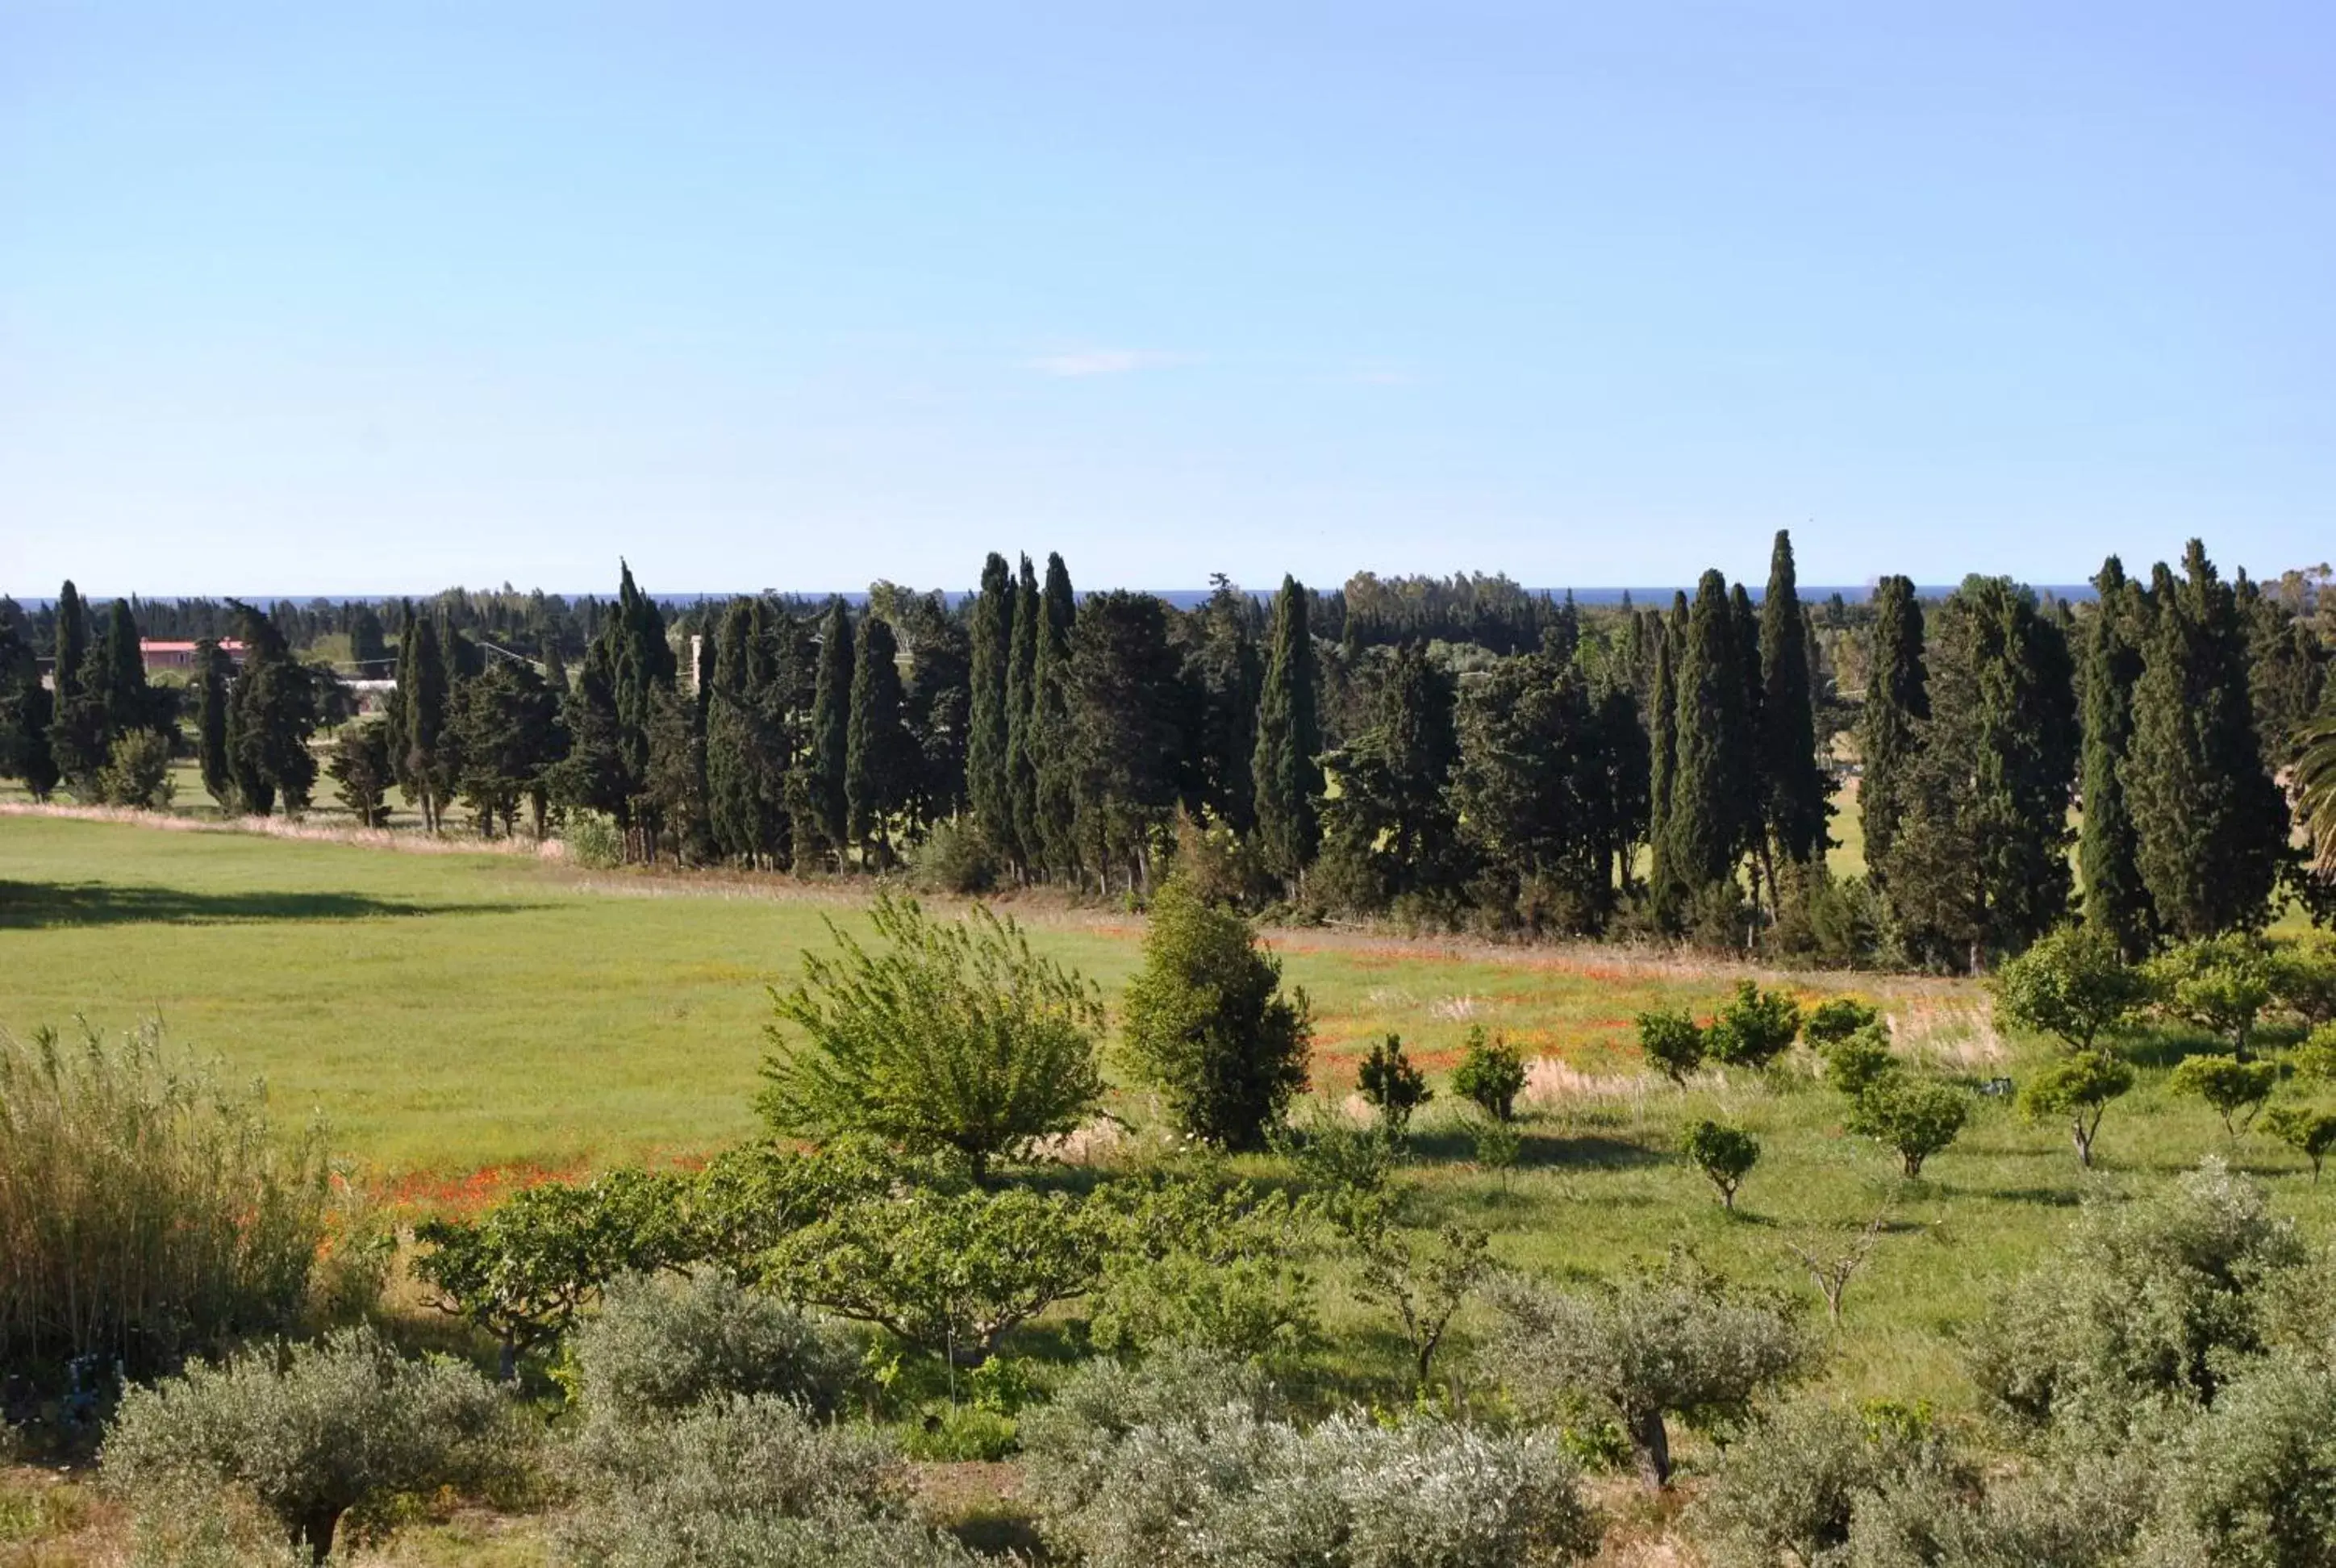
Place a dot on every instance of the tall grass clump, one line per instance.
(146, 1209)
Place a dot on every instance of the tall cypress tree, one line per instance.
(1052, 755)
(72, 645)
(272, 712)
(1792, 788)
(1897, 702)
(422, 769)
(210, 724)
(2108, 850)
(1286, 774)
(1021, 717)
(2210, 824)
(25, 712)
(118, 667)
(733, 799)
(1662, 740)
(831, 734)
(986, 741)
(1706, 826)
(876, 773)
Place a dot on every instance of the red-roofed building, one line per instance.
(161, 655)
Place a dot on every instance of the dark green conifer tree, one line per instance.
(2107, 848)
(1710, 809)
(423, 715)
(71, 645)
(1051, 733)
(1285, 770)
(878, 767)
(1662, 740)
(826, 809)
(1793, 791)
(2210, 824)
(1897, 702)
(212, 675)
(1022, 718)
(1128, 706)
(272, 712)
(1391, 824)
(986, 741)
(25, 714)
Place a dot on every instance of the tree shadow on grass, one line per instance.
(30, 906)
(1537, 1151)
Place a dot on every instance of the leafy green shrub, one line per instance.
(2077, 1090)
(2073, 983)
(1725, 1156)
(313, 1432)
(957, 1036)
(1914, 1118)
(2253, 1481)
(1103, 1400)
(145, 1208)
(1491, 1075)
(1205, 1021)
(1672, 1341)
(1673, 1044)
(955, 858)
(1498, 1145)
(1754, 1028)
(2146, 1301)
(2307, 1129)
(1858, 1060)
(593, 841)
(1222, 1268)
(1389, 1082)
(742, 1483)
(1791, 1485)
(137, 771)
(2220, 984)
(1227, 1486)
(1835, 1020)
(2235, 1089)
(661, 1345)
(960, 1433)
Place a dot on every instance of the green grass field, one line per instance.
(450, 1013)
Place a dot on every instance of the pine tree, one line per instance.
(1980, 866)
(826, 807)
(272, 712)
(1286, 774)
(1793, 797)
(1127, 702)
(2108, 850)
(1052, 754)
(877, 773)
(1022, 716)
(1897, 702)
(2210, 824)
(986, 741)
(1392, 819)
(1706, 826)
(212, 678)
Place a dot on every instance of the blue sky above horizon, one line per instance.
(379, 299)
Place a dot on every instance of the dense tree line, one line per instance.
(1450, 750)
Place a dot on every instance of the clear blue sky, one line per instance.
(384, 297)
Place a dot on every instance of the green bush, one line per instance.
(1857, 1061)
(2252, 1483)
(1491, 1074)
(1725, 1156)
(1913, 1117)
(314, 1432)
(146, 1210)
(593, 841)
(2235, 1089)
(1673, 1044)
(1790, 1487)
(2073, 983)
(959, 1433)
(2077, 1090)
(1754, 1028)
(1392, 1085)
(956, 1035)
(137, 771)
(661, 1345)
(955, 858)
(742, 1483)
(1220, 1268)
(1835, 1020)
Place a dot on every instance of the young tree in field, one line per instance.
(212, 676)
(1977, 864)
(826, 808)
(1793, 793)
(987, 743)
(1391, 1084)
(1205, 1022)
(272, 711)
(2210, 824)
(1725, 1156)
(1913, 1117)
(2235, 1089)
(2108, 847)
(1022, 745)
(1674, 1341)
(951, 1035)
(1837, 1019)
(1491, 1075)
(2220, 984)
(360, 769)
(880, 768)
(2307, 1129)
(1711, 813)
(2073, 983)
(1286, 776)
(1673, 1044)
(1754, 1028)
(1856, 1061)
(1897, 705)
(2076, 1091)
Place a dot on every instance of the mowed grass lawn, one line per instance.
(455, 1013)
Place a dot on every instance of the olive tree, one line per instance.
(659, 1345)
(1673, 1341)
(312, 1431)
(954, 1036)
